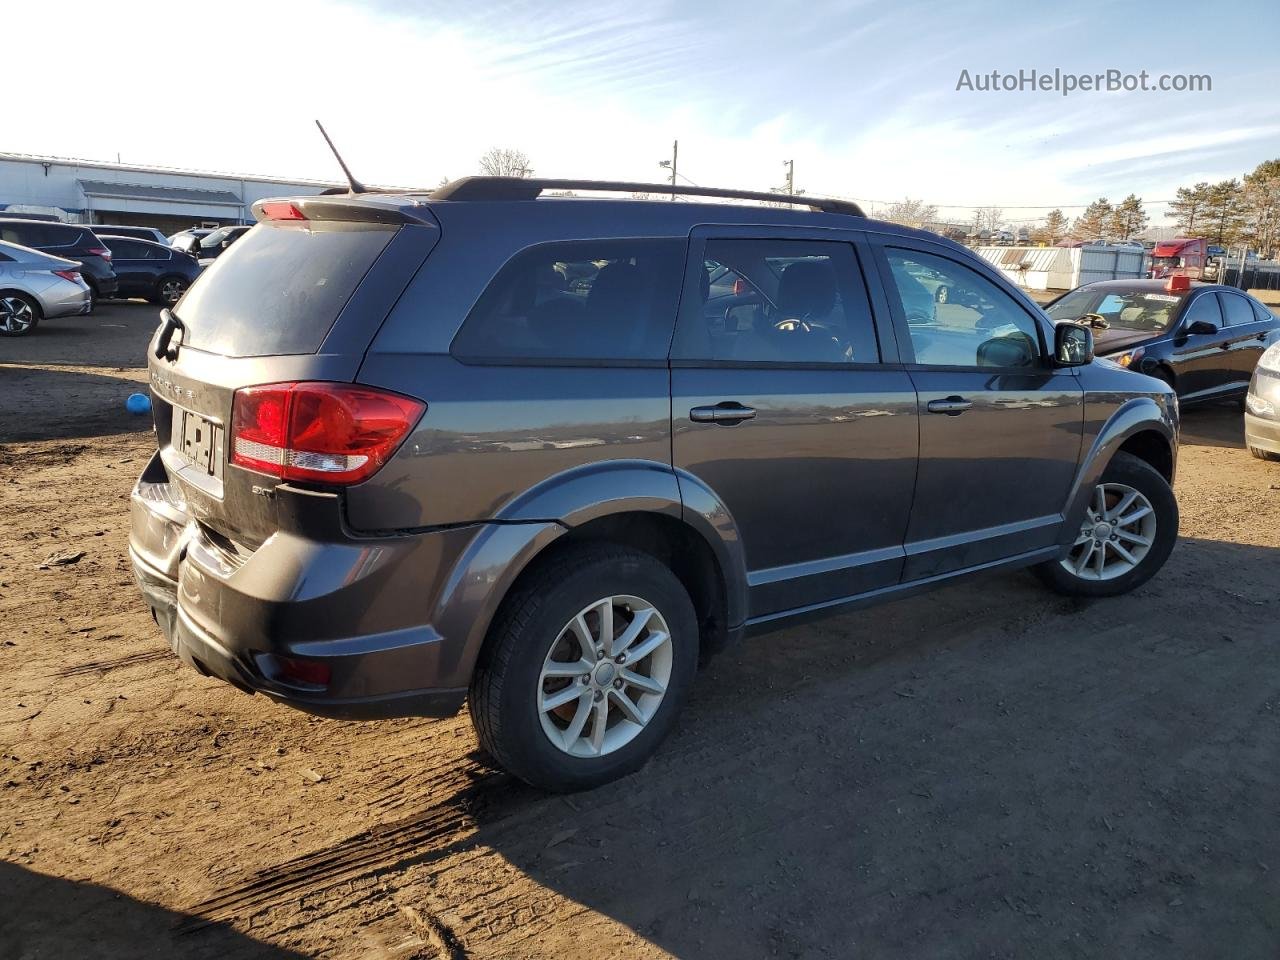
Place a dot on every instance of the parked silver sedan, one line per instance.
(35, 286)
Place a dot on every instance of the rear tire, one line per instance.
(1078, 575)
(19, 314)
(168, 291)
(576, 595)
(1264, 454)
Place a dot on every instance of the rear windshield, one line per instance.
(279, 288)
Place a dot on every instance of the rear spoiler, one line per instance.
(359, 208)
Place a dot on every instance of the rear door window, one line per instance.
(1236, 310)
(280, 288)
(127, 249)
(601, 300)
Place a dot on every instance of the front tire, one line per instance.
(1264, 454)
(19, 314)
(585, 669)
(1128, 532)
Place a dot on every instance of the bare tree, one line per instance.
(992, 218)
(505, 162)
(911, 213)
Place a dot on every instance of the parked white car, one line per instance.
(35, 286)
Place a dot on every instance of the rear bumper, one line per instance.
(1262, 433)
(321, 603)
(66, 300)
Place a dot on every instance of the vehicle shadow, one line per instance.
(41, 403)
(114, 335)
(56, 919)
(1213, 425)
(980, 772)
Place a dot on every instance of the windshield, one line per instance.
(1138, 311)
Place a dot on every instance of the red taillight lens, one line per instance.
(102, 252)
(282, 210)
(72, 275)
(333, 433)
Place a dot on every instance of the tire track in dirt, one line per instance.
(446, 827)
(119, 663)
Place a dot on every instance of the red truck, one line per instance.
(1181, 256)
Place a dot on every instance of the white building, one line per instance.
(87, 191)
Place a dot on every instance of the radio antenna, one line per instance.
(355, 185)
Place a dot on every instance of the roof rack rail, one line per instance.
(527, 188)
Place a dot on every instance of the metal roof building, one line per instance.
(89, 191)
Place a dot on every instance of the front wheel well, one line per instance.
(675, 544)
(1153, 449)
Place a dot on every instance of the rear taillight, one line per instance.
(102, 252)
(72, 275)
(333, 433)
(740, 287)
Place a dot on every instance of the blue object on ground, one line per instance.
(138, 403)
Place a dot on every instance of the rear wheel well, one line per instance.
(1152, 449)
(673, 543)
(11, 292)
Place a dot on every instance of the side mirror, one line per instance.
(225, 244)
(1072, 345)
(1205, 328)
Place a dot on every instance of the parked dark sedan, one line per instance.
(1202, 339)
(155, 271)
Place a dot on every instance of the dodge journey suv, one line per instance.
(545, 455)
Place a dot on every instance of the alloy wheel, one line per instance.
(171, 291)
(605, 676)
(1117, 533)
(16, 315)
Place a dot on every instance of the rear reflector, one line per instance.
(72, 275)
(334, 433)
(282, 210)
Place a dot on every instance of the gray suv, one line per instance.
(545, 455)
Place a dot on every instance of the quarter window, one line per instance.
(958, 318)
(778, 301)
(581, 300)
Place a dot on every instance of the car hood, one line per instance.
(1116, 340)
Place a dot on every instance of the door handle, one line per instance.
(726, 412)
(951, 406)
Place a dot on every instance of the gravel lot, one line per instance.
(987, 771)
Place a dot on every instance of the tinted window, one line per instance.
(280, 288)
(1204, 307)
(584, 300)
(779, 301)
(154, 251)
(1261, 313)
(1236, 309)
(959, 318)
(126, 249)
(37, 234)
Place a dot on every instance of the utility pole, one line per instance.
(791, 176)
(675, 155)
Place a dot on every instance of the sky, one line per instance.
(860, 94)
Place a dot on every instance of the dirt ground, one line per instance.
(986, 771)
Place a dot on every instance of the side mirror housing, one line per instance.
(1072, 345)
(1205, 328)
